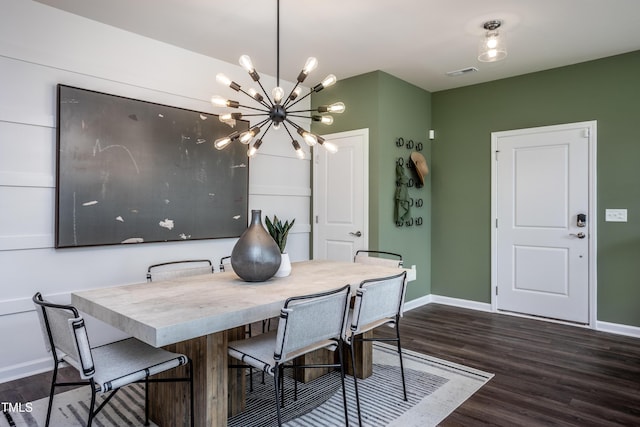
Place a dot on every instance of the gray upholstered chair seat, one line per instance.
(307, 323)
(130, 360)
(105, 368)
(258, 352)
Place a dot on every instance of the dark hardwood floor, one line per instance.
(546, 374)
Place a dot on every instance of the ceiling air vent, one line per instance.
(462, 71)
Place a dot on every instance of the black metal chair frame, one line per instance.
(396, 323)
(279, 367)
(391, 254)
(37, 299)
(186, 261)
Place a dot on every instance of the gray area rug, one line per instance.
(435, 388)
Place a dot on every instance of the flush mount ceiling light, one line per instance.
(276, 108)
(492, 47)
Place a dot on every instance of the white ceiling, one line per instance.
(415, 40)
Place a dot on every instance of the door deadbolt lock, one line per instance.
(581, 220)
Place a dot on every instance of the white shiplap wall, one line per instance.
(40, 47)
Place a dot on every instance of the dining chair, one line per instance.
(174, 269)
(106, 368)
(225, 262)
(307, 323)
(390, 259)
(377, 302)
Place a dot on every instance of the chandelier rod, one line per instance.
(278, 43)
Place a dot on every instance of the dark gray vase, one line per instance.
(256, 256)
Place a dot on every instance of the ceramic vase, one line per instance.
(285, 266)
(255, 256)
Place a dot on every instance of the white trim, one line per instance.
(272, 190)
(613, 328)
(24, 305)
(418, 302)
(616, 328)
(462, 303)
(25, 179)
(592, 127)
(26, 241)
(26, 369)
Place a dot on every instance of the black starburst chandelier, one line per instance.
(276, 108)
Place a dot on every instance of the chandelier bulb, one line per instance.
(255, 95)
(330, 147)
(298, 149)
(310, 65)
(220, 143)
(330, 80)
(336, 108)
(276, 126)
(247, 136)
(308, 137)
(325, 120)
(230, 116)
(219, 101)
(296, 92)
(278, 94)
(254, 148)
(247, 64)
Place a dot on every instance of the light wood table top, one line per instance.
(166, 312)
(197, 315)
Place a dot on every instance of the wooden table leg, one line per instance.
(363, 352)
(169, 402)
(237, 377)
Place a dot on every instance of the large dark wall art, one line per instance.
(130, 171)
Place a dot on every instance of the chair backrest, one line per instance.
(174, 269)
(225, 262)
(308, 322)
(378, 300)
(65, 335)
(390, 259)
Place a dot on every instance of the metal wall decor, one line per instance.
(407, 184)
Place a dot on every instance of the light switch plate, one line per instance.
(615, 215)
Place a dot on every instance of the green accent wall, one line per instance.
(606, 90)
(389, 108)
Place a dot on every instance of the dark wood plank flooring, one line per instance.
(546, 374)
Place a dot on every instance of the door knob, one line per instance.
(580, 235)
(357, 233)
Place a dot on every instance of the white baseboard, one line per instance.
(613, 328)
(418, 302)
(616, 328)
(462, 303)
(22, 370)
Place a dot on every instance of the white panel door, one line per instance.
(340, 197)
(542, 247)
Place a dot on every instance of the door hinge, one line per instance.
(586, 133)
(496, 222)
(497, 151)
(496, 291)
(316, 219)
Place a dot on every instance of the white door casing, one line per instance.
(341, 197)
(542, 178)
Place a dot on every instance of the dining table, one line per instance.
(199, 315)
